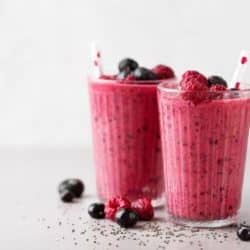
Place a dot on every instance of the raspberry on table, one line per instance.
(144, 209)
(163, 71)
(114, 204)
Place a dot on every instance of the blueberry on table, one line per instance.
(142, 74)
(96, 210)
(67, 196)
(126, 217)
(127, 65)
(75, 186)
(243, 232)
(216, 80)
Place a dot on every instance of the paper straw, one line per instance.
(241, 67)
(96, 58)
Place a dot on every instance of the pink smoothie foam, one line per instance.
(126, 138)
(204, 151)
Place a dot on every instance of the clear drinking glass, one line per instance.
(126, 138)
(204, 140)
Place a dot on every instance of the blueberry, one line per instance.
(67, 196)
(243, 232)
(127, 65)
(212, 80)
(96, 210)
(126, 217)
(75, 186)
(144, 74)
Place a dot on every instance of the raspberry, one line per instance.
(114, 204)
(192, 75)
(107, 77)
(163, 72)
(218, 87)
(195, 91)
(143, 208)
(193, 84)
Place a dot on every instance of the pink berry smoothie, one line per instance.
(126, 138)
(204, 152)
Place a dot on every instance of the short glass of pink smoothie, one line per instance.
(204, 153)
(126, 138)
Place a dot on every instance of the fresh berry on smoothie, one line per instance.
(129, 70)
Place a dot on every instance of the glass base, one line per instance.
(202, 223)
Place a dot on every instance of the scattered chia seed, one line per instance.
(162, 233)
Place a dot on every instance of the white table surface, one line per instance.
(33, 218)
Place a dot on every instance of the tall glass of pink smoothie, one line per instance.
(126, 139)
(204, 138)
(126, 135)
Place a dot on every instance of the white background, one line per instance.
(45, 57)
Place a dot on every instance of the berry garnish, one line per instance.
(143, 208)
(193, 80)
(126, 217)
(75, 186)
(218, 87)
(115, 204)
(67, 196)
(107, 77)
(194, 74)
(143, 74)
(243, 232)
(127, 65)
(163, 72)
(195, 86)
(216, 80)
(96, 210)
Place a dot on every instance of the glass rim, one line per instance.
(137, 83)
(162, 87)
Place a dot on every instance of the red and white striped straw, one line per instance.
(240, 69)
(96, 58)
